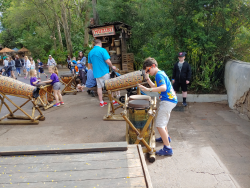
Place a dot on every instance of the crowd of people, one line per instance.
(99, 65)
(14, 66)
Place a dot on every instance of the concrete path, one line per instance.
(211, 143)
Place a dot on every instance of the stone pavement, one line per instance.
(211, 143)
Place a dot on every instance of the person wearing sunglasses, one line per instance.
(168, 102)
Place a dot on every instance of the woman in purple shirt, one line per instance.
(54, 81)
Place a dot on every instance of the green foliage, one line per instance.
(210, 31)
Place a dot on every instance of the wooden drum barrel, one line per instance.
(125, 80)
(66, 78)
(42, 92)
(14, 87)
(138, 115)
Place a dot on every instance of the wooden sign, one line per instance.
(103, 31)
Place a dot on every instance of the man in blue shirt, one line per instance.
(99, 62)
(168, 102)
(91, 81)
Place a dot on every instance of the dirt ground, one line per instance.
(211, 143)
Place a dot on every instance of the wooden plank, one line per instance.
(104, 183)
(70, 166)
(144, 167)
(72, 175)
(43, 159)
(67, 148)
(19, 122)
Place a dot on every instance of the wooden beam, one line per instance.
(144, 167)
(68, 148)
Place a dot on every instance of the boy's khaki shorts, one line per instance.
(100, 81)
(163, 113)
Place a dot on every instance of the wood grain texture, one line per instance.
(67, 148)
(94, 169)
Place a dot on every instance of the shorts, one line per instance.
(41, 70)
(28, 69)
(177, 86)
(100, 81)
(163, 113)
(57, 86)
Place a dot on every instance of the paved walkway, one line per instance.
(211, 143)
(211, 149)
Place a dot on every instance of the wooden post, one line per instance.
(151, 116)
(132, 126)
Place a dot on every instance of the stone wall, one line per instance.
(237, 82)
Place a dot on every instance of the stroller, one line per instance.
(5, 70)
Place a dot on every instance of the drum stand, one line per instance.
(22, 120)
(150, 148)
(111, 116)
(70, 87)
(46, 103)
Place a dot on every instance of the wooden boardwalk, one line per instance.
(86, 168)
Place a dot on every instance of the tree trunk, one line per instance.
(86, 30)
(59, 33)
(66, 29)
(95, 13)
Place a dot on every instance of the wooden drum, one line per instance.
(43, 92)
(138, 115)
(14, 87)
(66, 78)
(125, 80)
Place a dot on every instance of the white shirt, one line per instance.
(51, 62)
(5, 63)
(27, 63)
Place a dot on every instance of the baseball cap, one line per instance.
(49, 55)
(181, 54)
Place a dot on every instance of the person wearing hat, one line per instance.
(51, 61)
(181, 76)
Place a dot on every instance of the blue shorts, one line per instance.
(28, 69)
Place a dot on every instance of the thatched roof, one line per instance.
(6, 50)
(23, 50)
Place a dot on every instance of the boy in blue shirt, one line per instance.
(40, 69)
(168, 102)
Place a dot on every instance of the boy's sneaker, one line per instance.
(57, 104)
(103, 104)
(184, 104)
(160, 139)
(62, 103)
(115, 103)
(164, 151)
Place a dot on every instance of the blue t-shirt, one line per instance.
(40, 65)
(79, 65)
(91, 81)
(54, 78)
(169, 95)
(97, 57)
(74, 62)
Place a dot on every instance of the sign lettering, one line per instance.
(103, 31)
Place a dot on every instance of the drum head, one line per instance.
(67, 75)
(40, 84)
(138, 104)
(139, 97)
